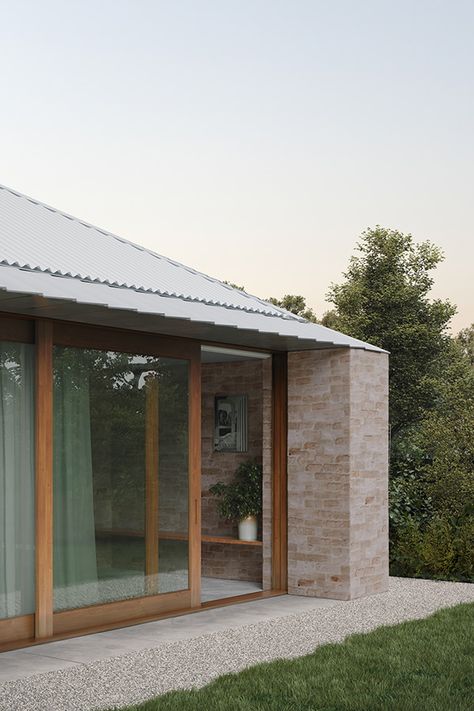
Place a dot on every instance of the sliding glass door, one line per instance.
(100, 477)
(120, 475)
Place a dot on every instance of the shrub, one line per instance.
(437, 549)
(444, 549)
(464, 550)
(405, 552)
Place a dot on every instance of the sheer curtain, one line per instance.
(17, 487)
(75, 562)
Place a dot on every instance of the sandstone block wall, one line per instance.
(337, 473)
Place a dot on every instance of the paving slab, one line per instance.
(103, 645)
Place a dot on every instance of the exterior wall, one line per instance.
(337, 473)
(235, 378)
(267, 468)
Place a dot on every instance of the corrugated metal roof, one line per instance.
(38, 237)
(82, 273)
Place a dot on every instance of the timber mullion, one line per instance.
(152, 484)
(44, 479)
(194, 512)
(279, 459)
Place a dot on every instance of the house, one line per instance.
(129, 386)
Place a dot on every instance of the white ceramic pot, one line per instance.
(248, 529)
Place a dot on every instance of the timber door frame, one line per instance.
(77, 336)
(44, 624)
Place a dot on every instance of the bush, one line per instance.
(443, 549)
(464, 548)
(432, 485)
(437, 549)
(405, 551)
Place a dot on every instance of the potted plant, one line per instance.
(241, 500)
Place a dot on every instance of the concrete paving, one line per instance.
(89, 648)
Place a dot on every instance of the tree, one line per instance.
(432, 483)
(446, 436)
(465, 339)
(234, 286)
(296, 304)
(384, 300)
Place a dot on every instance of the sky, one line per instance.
(253, 140)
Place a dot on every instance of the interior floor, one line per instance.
(121, 575)
(219, 588)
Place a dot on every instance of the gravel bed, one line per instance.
(192, 663)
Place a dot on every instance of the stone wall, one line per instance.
(267, 473)
(337, 473)
(234, 378)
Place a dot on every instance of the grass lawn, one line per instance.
(425, 664)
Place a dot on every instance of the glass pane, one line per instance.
(120, 476)
(17, 482)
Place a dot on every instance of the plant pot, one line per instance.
(248, 529)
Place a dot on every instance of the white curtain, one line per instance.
(75, 561)
(17, 509)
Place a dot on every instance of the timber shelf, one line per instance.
(174, 536)
(229, 540)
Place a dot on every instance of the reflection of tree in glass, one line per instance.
(117, 395)
(12, 369)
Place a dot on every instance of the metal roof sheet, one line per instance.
(81, 273)
(38, 237)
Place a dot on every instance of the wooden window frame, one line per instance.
(80, 336)
(279, 471)
(45, 624)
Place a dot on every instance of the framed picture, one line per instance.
(231, 423)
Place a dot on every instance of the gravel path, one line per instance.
(195, 662)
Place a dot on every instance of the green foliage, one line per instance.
(296, 304)
(432, 482)
(234, 286)
(464, 543)
(331, 319)
(443, 549)
(406, 555)
(243, 496)
(415, 666)
(384, 300)
(446, 434)
(408, 497)
(465, 339)
(437, 550)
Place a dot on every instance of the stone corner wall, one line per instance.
(337, 473)
(368, 472)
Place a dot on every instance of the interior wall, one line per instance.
(238, 562)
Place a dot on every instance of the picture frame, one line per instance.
(231, 423)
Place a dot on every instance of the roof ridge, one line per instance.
(283, 313)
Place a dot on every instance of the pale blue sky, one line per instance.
(251, 139)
